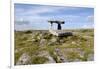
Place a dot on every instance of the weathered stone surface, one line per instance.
(24, 59)
(73, 42)
(60, 56)
(62, 41)
(43, 42)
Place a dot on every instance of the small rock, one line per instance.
(57, 49)
(24, 59)
(73, 42)
(62, 41)
(41, 35)
(38, 37)
(43, 42)
(33, 40)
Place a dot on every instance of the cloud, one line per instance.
(37, 15)
(88, 26)
(36, 10)
(34, 13)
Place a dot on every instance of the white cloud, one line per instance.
(88, 26)
(90, 18)
(33, 15)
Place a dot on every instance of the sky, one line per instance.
(35, 16)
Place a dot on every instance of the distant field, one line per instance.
(40, 47)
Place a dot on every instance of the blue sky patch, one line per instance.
(35, 17)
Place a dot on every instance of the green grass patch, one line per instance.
(38, 60)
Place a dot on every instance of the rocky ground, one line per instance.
(40, 47)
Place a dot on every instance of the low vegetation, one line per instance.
(41, 46)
